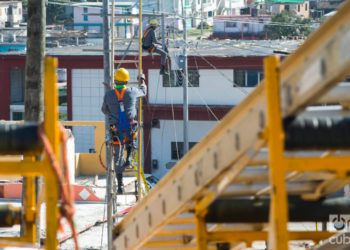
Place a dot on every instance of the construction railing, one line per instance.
(185, 211)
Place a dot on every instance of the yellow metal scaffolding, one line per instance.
(31, 167)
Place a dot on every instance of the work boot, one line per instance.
(120, 189)
(163, 70)
(129, 150)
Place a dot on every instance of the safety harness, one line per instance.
(124, 125)
(150, 49)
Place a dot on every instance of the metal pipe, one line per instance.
(185, 83)
(18, 139)
(107, 86)
(248, 210)
(140, 114)
(163, 32)
(9, 215)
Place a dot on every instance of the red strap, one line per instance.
(120, 96)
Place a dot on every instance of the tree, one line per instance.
(56, 14)
(291, 25)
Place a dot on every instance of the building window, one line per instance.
(86, 17)
(239, 78)
(245, 25)
(176, 78)
(177, 149)
(230, 24)
(261, 76)
(306, 6)
(286, 7)
(210, 13)
(193, 78)
(17, 116)
(247, 78)
(252, 78)
(17, 86)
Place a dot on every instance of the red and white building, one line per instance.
(212, 94)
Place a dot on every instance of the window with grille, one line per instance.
(176, 78)
(177, 149)
(247, 78)
(230, 24)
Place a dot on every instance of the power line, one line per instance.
(271, 23)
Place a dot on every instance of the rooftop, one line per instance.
(220, 48)
(285, 1)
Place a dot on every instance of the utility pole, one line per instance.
(201, 18)
(107, 85)
(185, 82)
(34, 69)
(34, 81)
(163, 31)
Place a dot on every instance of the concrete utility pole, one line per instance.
(34, 69)
(107, 85)
(185, 82)
(34, 81)
(201, 17)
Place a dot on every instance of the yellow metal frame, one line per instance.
(30, 168)
(279, 164)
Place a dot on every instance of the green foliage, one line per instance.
(25, 4)
(55, 14)
(292, 25)
(205, 25)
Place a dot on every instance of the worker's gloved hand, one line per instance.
(114, 132)
(112, 128)
(141, 77)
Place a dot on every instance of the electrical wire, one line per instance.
(267, 23)
(223, 75)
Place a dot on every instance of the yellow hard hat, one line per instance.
(153, 22)
(122, 75)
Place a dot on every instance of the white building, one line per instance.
(203, 10)
(88, 17)
(196, 10)
(11, 13)
(229, 7)
(244, 26)
(234, 70)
